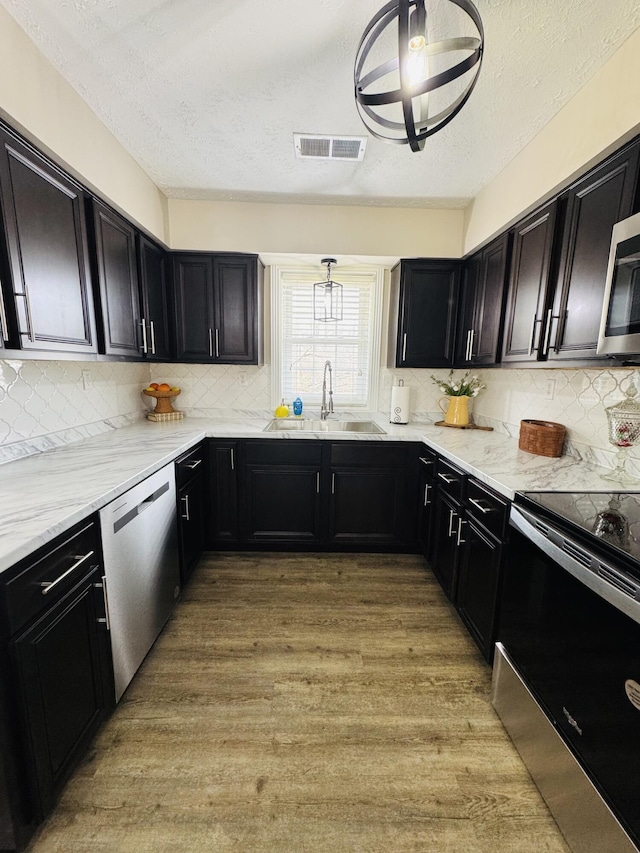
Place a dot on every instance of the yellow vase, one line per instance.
(456, 412)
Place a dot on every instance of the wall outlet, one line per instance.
(242, 377)
(86, 380)
(550, 389)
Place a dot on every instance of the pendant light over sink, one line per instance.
(327, 297)
(408, 96)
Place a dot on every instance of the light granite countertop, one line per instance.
(44, 494)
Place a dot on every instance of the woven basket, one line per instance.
(543, 438)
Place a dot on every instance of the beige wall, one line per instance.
(604, 113)
(35, 99)
(314, 229)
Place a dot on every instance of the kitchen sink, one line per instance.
(306, 425)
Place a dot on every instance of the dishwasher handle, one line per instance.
(138, 509)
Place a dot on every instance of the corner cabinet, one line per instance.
(116, 274)
(422, 319)
(47, 300)
(156, 322)
(218, 308)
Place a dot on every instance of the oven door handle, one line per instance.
(595, 577)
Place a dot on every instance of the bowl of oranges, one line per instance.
(163, 394)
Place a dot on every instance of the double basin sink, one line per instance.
(305, 425)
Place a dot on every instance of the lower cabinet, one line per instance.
(56, 674)
(191, 483)
(314, 495)
(426, 492)
(447, 540)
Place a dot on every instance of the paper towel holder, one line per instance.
(399, 407)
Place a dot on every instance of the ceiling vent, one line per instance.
(313, 147)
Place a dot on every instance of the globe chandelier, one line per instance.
(408, 97)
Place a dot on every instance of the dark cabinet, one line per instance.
(191, 484)
(480, 318)
(47, 300)
(283, 491)
(57, 672)
(527, 322)
(156, 321)
(593, 205)
(117, 278)
(424, 300)
(426, 497)
(222, 524)
(218, 308)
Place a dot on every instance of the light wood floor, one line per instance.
(306, 704)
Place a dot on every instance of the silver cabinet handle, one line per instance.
(47, 586)
(459, 540)
(153, 337)
(472, 336)
(144, 335)
(210, 343)
(547, 331)
(27, 307)
(4, 330)
(333, 484)
(483, 509)
(233, 460)
(404, 346)
(532, 336)
(426, 494)
(217, 343)
(103, 587)
(318, 482)
(185, 498)
(446, 478)
(192, 465)
(452, 515)
(467, 347)
(425, 461)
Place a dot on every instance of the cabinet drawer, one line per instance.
(51, 572)
(488, 508)
(377, 454)
(190, 464)
(283, 452)
(450, 479)
(427, 461)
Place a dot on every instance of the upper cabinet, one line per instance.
(156, 322)
(218, 308)
(593, 205)
(526, 321)
(47, 301)
(424, 296)
(117, 279)
(480, 316)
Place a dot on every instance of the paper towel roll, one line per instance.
(400, 395)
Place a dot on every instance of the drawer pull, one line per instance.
(425, 461)
(192, 465)
(483, 509)
(459, 540)
(452, 515)
(426, 494)
(47, 586)
(448, 480)
(185, 498)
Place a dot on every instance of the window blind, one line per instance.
(307, 344)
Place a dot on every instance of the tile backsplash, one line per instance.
(43, 403)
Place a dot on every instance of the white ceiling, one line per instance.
(206, 94)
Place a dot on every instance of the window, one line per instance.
(301, 346)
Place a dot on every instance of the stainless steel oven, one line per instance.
(567, 671)
(620, 322)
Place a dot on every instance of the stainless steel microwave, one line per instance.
(620, 323)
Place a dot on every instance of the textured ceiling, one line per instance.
(206, 94)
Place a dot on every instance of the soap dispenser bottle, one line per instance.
(297, 407)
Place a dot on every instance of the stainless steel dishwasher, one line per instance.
(140, 543)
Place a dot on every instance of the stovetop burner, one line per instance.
(610, 518)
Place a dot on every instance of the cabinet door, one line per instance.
(447, 534)
(366, 507)
(118, 283)
(222, 523)
(425, 511)
(471, 286)
(484, 342)
(193, 294)
(47, 295)
(529, 285)
(235, 339)
(282, 504)
(426, 297)
(478, 585)
(154, 288)
(594, 205)
(65, 685)
(191, 515)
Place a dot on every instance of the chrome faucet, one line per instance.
(326, 409)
